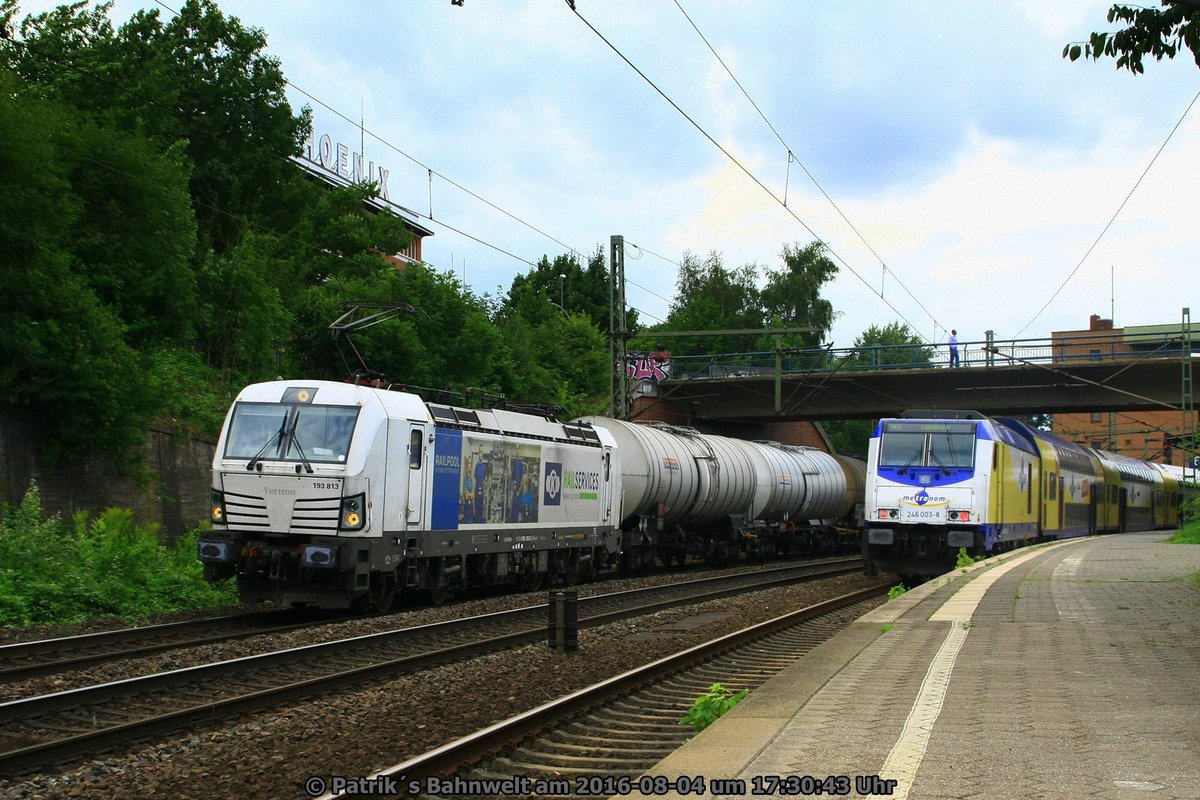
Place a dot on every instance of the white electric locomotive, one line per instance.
(336, 495)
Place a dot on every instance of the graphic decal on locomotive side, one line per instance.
(552, 484)
(484, 481)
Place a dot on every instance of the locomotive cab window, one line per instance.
(291, 432)
(945, 445)
(414, 449)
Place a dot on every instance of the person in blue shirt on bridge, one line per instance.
(953, 342)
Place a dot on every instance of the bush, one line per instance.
(103, 567)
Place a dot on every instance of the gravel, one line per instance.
(355, 732)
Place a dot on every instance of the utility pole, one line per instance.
(618, 333)
(1188, 413)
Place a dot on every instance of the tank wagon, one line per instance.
(938, 483)
(685, 493)
(342, 495)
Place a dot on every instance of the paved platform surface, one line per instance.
(1065, 671)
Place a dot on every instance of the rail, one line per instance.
(1078, 349)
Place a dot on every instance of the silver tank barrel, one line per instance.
(697, 479)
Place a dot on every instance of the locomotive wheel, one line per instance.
(439, 592)
(382, 594)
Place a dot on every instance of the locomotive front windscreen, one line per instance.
(949, 445)
(290, 432)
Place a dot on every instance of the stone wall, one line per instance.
(174, 493)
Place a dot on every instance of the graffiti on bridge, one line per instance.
(648, 366)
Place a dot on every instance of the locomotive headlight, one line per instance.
(353, 514)
(217, 510)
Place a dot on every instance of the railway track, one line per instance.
(603, 739)
(23, 660)
(55, 727)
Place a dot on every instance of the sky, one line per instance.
(962, 173)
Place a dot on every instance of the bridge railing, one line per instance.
(1064, 351)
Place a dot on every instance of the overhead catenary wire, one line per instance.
(791, 156)
(745, 170)
(1114, 217)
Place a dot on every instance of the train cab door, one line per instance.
(415, 508)
(405, 494)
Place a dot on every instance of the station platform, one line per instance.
(1069, 670)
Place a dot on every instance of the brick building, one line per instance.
(1147, 435)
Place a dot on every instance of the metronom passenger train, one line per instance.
(945, 480)
(344, 495)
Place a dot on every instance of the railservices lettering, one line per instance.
(578, 479)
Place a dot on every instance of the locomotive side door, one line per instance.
(414, 512)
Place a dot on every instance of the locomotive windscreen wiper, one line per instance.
(276, 437)
(910, 461)
(295, 442)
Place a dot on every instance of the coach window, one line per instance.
(414, 449)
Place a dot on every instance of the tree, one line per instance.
(1157, 32)
(199, 81)
(710, 297)
(792, 297)
(65, 349)
(892, 345)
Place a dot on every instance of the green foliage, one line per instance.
(896, 591)
(710, 706)
(710, 296)
(1189, 510)
(1187, 535)
(1157, 32)
(55, 572)
(893, 344)
(792, 296)
(965, 560)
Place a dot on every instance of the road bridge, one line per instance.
(1099, 372)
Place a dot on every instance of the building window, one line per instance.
(1096, 416)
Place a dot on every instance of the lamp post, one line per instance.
(562, 291)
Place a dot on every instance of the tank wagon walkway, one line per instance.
(1065, 671)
